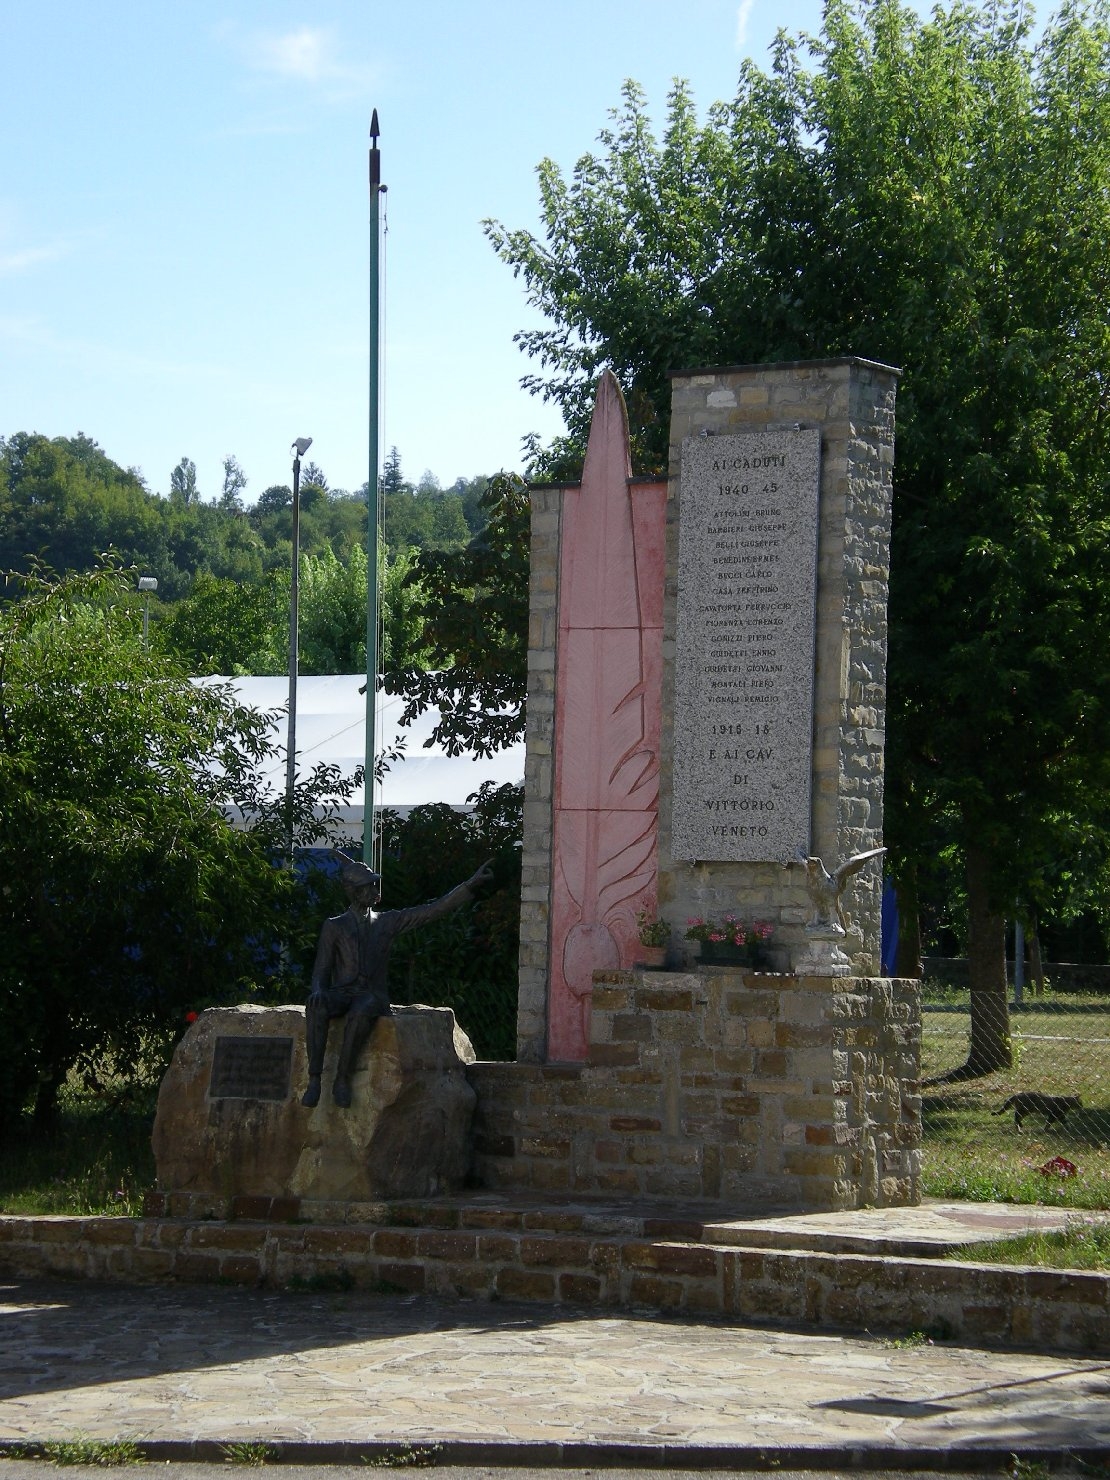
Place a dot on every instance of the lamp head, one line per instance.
(148, 583)
(301, 445)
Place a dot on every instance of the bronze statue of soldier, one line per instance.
(349, 977)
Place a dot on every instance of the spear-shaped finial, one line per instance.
(375, 156)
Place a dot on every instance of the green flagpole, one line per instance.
(368, 819)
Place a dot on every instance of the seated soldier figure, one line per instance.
(349, 977)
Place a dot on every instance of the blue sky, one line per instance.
(184, 214)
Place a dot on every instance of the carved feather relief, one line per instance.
(607, 701)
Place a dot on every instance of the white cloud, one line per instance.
(19, 261)
(743, 14)
(304, 53)
(309, 54)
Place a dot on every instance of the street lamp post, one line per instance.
(300, 447)
(147, 584)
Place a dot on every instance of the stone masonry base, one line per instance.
(732, 1085)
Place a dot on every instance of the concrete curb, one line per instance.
(549, 1454)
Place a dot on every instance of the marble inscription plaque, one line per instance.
(747, 574)
(251, 1069)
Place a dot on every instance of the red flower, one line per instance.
(1059, 1166)
(190, 1017)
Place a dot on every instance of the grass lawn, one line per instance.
(97, 1160)
(1061, 1047)
(1085, 1244)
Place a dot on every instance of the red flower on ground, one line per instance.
(1059, 1166)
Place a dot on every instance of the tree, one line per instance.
(472, 609)
(391, 480)
(470, 492)
(235, 480)
(314, 474)
(183, 482)
(469, 959)
(427, 516)
(128, 895)
(933, 194)
(229, 627)
(62, 499)
(234, 627)
(271, 500)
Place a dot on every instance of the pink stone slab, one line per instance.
(608, 683)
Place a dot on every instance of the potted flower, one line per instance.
(653, 934)
(730, 941)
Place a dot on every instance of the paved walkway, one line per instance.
(338, 1376)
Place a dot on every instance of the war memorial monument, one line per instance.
(705, 740)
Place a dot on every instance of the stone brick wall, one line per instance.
(738, 1087)
(852, 402)
(543, 618)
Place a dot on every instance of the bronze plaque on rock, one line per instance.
(251, 1069)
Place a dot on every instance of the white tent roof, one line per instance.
(331, 727)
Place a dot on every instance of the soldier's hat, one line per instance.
(354, 875)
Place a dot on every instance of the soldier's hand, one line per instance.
(483, 878)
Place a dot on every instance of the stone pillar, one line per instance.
(850, 402)
(535, 896)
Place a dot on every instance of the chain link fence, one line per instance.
(1016, 1104)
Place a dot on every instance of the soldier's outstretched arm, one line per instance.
(424, 914)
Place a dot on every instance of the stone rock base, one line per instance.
(230, 1122)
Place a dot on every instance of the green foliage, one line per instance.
(229, 627)
(253, 1455)
(183, 482)
(106, 1453)
(235, 480)
(97, 1159)
(127, 896)
(426, 517)
(975, 1154)
(233, 628)
(472, 607)
(934, 194)
(223, 574)
(468, 960)
(404, 1456)
(65, 500)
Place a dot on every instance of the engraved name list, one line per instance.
(743, 720)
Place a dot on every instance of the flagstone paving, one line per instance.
(184, 1368)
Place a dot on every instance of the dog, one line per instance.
(1054, 1108)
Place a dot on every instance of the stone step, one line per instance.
(583, 1267)
(931, 1229)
